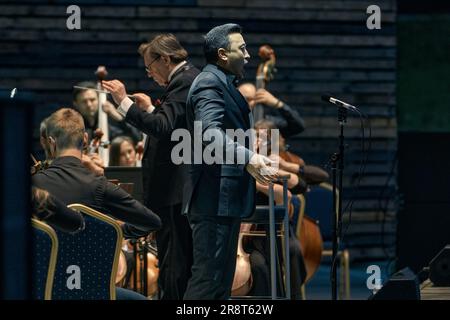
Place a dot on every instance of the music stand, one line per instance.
(128, 175)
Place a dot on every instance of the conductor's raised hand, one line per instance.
(117, 90)
(143, 101)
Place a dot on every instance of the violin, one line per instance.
(95, 143)
(38, 165)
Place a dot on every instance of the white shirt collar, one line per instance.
(178, 66)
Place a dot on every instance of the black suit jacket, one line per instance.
(56, 213)
(164, 180)
(70, 182)
(286, 119)
(219, 189)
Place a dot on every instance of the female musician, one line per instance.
(122, 152)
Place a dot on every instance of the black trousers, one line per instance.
(174, 242)
(215, 248)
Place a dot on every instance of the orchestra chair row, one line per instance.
(80, 266)
(45, 252)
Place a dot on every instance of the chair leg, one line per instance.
(303, 291)
(341, 275)
(346, 269)
(344, 275)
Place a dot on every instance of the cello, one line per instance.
(146, 272)
(243, 279)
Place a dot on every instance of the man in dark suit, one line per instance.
(165, 61)
(218, 195)
(70, 182)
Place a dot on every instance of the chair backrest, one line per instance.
(319, 206)
(87, 262)
(298, 201)
(45, 251)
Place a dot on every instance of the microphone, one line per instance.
(339, 103)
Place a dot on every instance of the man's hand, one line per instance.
(265, 97)
(111, 111)
(259, 168)
(117, 90)
(139, 150)
(94, 163)
(143, 101)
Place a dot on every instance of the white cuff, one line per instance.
(125, 106)
(150, 109)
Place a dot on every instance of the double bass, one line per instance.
(265, 73)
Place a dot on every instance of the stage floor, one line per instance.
(430, 292)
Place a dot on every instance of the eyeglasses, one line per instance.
(147, 67)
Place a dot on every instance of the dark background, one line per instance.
(423, 110)
(398, 76)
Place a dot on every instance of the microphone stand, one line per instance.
(337, 164)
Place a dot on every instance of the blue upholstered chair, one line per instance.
(87, 261)
(45, 250)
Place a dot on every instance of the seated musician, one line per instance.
(122, 152)
(286, 119)
(91, 161)
(69, 181)
(306, 174)
(86, 102)
(259, 249)
(300, 175)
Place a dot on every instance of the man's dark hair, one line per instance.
(217, 38)
(86, 84)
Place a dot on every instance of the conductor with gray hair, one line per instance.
(218, 195)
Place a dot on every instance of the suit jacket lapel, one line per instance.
(240, 101)
(237, 96)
